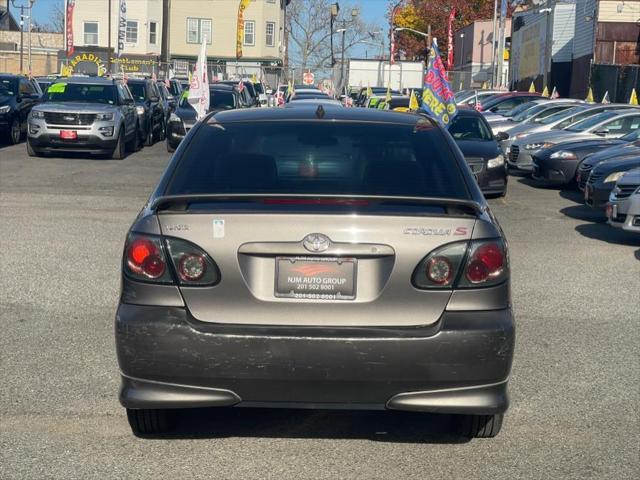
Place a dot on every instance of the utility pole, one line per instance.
(30, 7)
(109, 39)
(493, 44)
(22, 17)
(164, 48)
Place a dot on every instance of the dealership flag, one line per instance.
(199, 87)
(532, 88)
(605, 99)
(413, 102)
(70, 47)
(437, 96)
(122, 25)
(634, 97)
(240, 27)
(555, 94)
(589, 98)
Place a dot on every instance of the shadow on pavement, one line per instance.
(380, 426)
(573, 194)
(637, 255)
(582, 212)
(609, 234)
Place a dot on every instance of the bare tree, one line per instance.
(309, 26)
(56, 21)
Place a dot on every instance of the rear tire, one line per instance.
(480, 426)
(170, 149)
(119, 151)
(30, 151)
(135, 144)
(148, 422)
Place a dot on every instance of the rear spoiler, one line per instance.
(182, 202)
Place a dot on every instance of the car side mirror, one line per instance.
(602, 132)
(502, 136)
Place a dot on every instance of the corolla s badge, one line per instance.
(316, 242)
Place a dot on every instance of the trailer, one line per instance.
(378, 73)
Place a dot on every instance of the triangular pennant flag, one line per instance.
(532, 88)
(634, 97)
(484, 85)
(388, 95)
(589, 98)
(545, 92)
(605, 99)
(413, 102)
(369, 91)
(555, 94)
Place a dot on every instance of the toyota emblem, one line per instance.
(316, 242)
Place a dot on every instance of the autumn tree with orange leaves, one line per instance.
(419, 14)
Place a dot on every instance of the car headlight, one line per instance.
(175, 118)
(5, 109)
(532, 146)
(105, 116)
(140, 110)
(496, 162)
(564, 155)
(37, 114)
(613, 177)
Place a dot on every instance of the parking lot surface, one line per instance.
(574, 390)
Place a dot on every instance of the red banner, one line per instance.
(70, 47)
(452, 17)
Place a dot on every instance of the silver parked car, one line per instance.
(85, 114)
(316, 258)
(608, 124)
(623, 209)
(534, 112)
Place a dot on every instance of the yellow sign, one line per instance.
(87, 57)
(413, 102)
(634, 97)
(240, 36)
(57, 88)
(589, 98)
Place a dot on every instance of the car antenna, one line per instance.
(320, 112)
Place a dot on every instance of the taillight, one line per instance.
(192, 264)
(145, 259)
(465, 264)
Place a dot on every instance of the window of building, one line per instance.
(271, 34)
(197, 29)
(153, 33)
(132, 31)
(91, 33)
(249, 32)
(271, 1)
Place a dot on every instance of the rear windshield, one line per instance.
(81, 92)
(218, 100)
(469, 128)
(565, 114)
(137, 90)
(333, 158)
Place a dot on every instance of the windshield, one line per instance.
(319, 158)
(137, 90)
(583, 125)
(631, 137)
(174, 89)
(556, 117)
(492, 101)
(218, 100)
(522, 112)
(8, 86)
(469, 128)
(81, 92)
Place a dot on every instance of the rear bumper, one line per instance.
(169, 360)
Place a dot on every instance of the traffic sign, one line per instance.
(308, 78)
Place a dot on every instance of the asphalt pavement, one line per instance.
(575, 387)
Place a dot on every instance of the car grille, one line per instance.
(515, 151)
(54, 118)
(584, 174)
(476, 164)
(625, 191)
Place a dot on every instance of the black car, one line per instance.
(612, 153)
(558, 165)
(175, 87)
(149, 107)
(475, 139)
(221, 97)
(362, 97)
(602, 178)
(18, 95)
(169, 102)
(252, 98)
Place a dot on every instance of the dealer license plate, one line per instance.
(316, 278)
(68, 134)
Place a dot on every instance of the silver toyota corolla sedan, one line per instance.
(316, 258)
